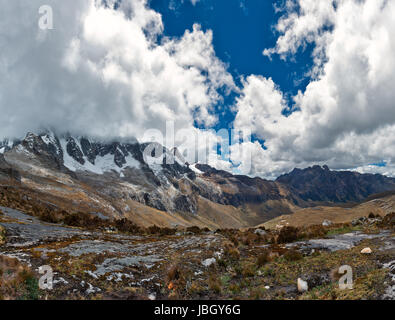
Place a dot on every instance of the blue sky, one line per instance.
(242, 29)
(100, 72)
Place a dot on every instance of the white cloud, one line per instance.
(175, 5)
(259, 106)
(303, 23)
(347, 113)
(101, 71)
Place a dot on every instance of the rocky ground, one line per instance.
(227, 264)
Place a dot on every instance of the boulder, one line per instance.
(366, 251)
(209, 262)
(302, 285)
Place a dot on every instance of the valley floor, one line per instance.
(223, 265)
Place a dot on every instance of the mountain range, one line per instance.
(113, 179)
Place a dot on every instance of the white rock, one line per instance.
(366, 251)
(218, 254)
(327, 223)
(302, 285)
(152, 296)
(92, 289)
(209, 262)
(93, 275)
(260, 232)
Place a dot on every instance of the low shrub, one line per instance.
(263, 258)
(248, 270)
(125, 225)
(214, 284)
(293, 255)
(195, 288)
(231, 252)
(153, 229)
(287, 234)
(194, 230)
(173, 273)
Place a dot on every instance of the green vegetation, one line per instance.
(32, 291)
(343, 230)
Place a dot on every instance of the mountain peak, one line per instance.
(318, 183)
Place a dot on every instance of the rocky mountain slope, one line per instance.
(87, 209)
(321, 184)
(115, 179)
(324, 214)
(224, 265)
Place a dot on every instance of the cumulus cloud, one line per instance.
(346, 116)
(111, 72)
(304, 22)
(102, 71)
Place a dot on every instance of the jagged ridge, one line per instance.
(111, 174)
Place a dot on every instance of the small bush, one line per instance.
(238, 269)
(214, 284)
(315, 231)
(32, 289)
(222, 263)
(287, 234)
(235, 288)
(48, 216)
(293, 255)
(225, 280)
(263, 258)
(174, 273)
(2, 235)
(251, 238)
(125, 225)
(231, 252)
(389, 220)
(167, 231)
(195, 288)
(257, 293)
(248, 270)
(194, 230)
(153, 229)
(234, 241)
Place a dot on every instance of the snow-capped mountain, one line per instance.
(81, 154)
(152, 183)
(124, 179)
(6, 145)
